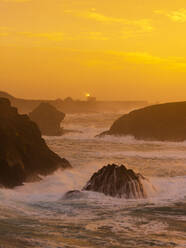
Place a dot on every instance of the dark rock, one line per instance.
(117, 181)
(48, 118)
(24, 155)
(163, 122)
(73, 194)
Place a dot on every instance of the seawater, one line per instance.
(36, 215)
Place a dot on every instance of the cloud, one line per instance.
(58, 36)
(15, 1)
(93, 36)
(3, 31)
(143, 24)
(176, 16)
(148, 59)
(119, 60)
(100, 18)
(139, 57)
(3, 34)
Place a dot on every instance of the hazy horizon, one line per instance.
(84, 98)
(114, 51)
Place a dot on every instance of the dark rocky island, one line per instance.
(162, 122)
(48, 119)
(24, 155)
(117, 181)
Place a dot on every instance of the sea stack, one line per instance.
(162, 122)
(117, 181)
(24, 155)
(48, 119)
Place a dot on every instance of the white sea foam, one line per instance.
(101, 220)
(172, 154)
(43, 203)
(53, 187)
(90, 133)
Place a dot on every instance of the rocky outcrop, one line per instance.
(117, 181)
(163, 122)
(48, 119)
(24, 155)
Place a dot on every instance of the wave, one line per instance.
(52, 188)
(40, 206)
(90, 133)
(158, 154)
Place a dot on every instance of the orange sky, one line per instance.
(113, 49)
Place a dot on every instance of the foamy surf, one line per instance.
(53, 187)
(47, 220)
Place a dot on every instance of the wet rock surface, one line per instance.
(117, 181)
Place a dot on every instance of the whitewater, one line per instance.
(36, 214)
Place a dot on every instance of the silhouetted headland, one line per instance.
(24, 155)
(162, 122)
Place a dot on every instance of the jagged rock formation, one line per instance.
(48, 119)
(163, 122)
(24, 155)
(117, 181)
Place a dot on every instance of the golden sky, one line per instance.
(113, 49)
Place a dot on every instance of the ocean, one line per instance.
(36, 214)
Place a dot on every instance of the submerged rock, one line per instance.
(162, 122)
(24, 155)
(117, 181)
(48, 119)
(73, 194)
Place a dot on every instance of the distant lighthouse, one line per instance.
(90, 98)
